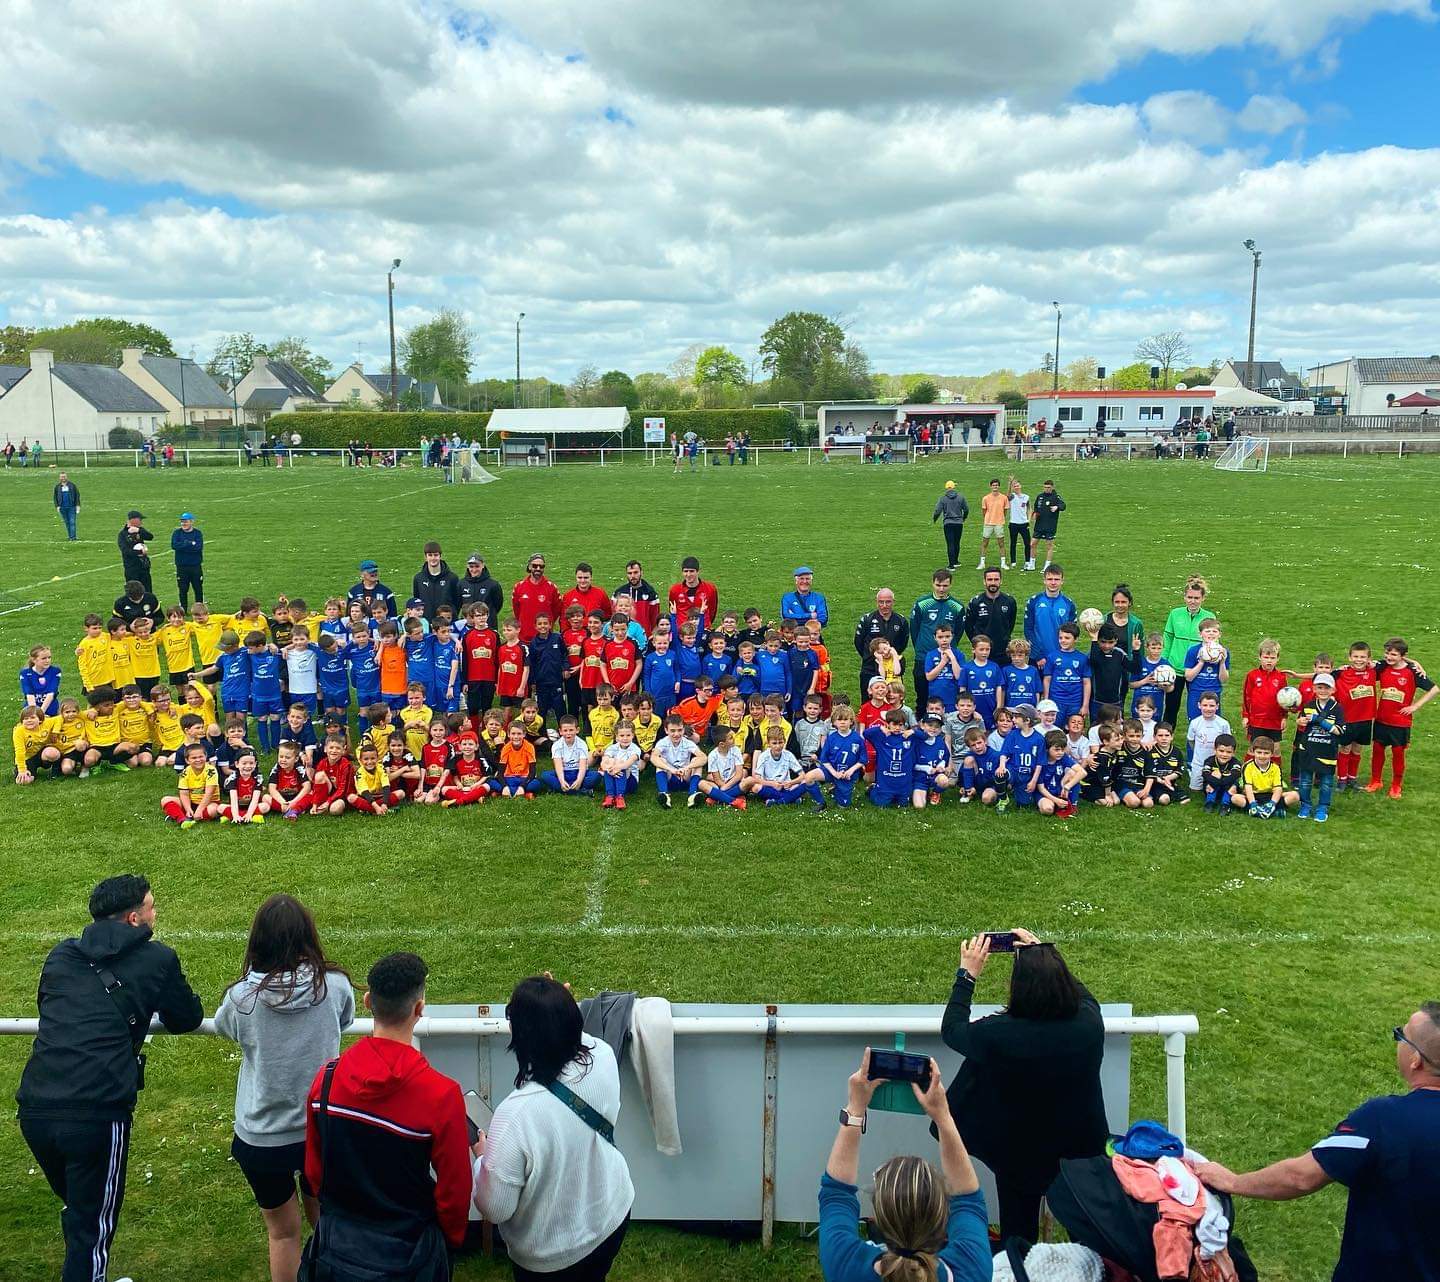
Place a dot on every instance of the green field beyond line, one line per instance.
(1298, 947)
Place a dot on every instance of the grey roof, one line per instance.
(1398, 369)
(12, 374)
(381, 383)
(293, 379)
(267, 398)
(200, 391)
(106, 388)
(1264, 372)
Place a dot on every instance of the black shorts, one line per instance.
(1356, 734)
(271, 1172)
(182, 677)
(1254, 732)
(1392, 736)
(511, 700)
(107, 751)
(33, 765)
(1044, 531)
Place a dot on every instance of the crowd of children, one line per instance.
(453, 712)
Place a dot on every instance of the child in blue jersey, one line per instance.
(1022, 754)
(267, 700)
(804, 670)
(981, 774)
(1057, 783)
(1203, 674)
(841, 758)
(1021, 679)
(232, 665)
(660, 675)
(302, 669)
(334, 623)
(687, 658)
(981, 676)
(894, 760)
(1142, 668)
(419, 661)
(444, 693)
(933, 772)
(772, 667)
(943, 667)
(746, 672)
(363, 659)
(1004, 724)
(717, 663)
(1067, 677)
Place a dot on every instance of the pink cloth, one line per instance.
(1175, 1229)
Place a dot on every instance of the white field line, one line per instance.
(161, 555)
(424, 489)
(287, 489)
(599, 875)
(15, 609)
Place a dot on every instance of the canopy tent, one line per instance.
(608, 419)
(1235, 398)
(1416, 401)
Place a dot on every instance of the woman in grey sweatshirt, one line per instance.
(287, 1013)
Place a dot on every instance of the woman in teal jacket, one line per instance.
(1182, 630)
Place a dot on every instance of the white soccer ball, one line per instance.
(140, 550)
(1164, 677)
(1211, 652)
(294, 438)
(1287, 698)
(1091, 618)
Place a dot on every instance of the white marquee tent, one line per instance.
(1236, 398)
(594, 420)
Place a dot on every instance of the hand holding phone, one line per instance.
(1002, 941)
(900, 1066)
(478, 1117)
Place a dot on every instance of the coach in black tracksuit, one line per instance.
(136, 564)
(77, 1093)
(991, 613)
(882, 621)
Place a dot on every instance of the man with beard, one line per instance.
(644, 599)
(991, 613)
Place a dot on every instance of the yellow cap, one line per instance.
(949, 485)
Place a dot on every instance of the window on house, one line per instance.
(1112, 413)
(1192, 411)
(1152, 413)
(118, 422)
(1070, 414)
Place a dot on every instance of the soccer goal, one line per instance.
(1245, 454)
(471, 472)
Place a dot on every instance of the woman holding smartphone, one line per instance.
(1028, 1093)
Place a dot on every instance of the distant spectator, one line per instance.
(287, 1012)
(134, 540)
(1028, 1093)
(1384, 1154)
(67, 500)
(188, 544)
(924, 1218)
(952, 506)
(549, 1171)
(77, 1094)
(385, 1145)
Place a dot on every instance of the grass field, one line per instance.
(1297, 946)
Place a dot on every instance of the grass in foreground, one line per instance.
(1297, 946)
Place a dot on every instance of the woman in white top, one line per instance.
(549, 1171)
(1019, 526)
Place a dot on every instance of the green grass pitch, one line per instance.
(1297, 946)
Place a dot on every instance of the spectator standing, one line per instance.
(188, 544)
(436, 584)
(1182, 630)
(992, 613)
(993, 509)
(1132, 627)
(924, 1217)
(804, 604)
(882, 621)
(77, 1094)
(585, 594)
(133, 535)
(286, 1012)
(1019, 514)
(1028, 1093)
(644, 599)
(67, 502)
(927, 614)
(370, 590)
(549, 1170)
(479, 586)
(385, 1145)
(533, 596)
(954, 511)
(1384, 1154)
(1048, 506)
(694, 593)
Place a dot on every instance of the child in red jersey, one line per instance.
(245, 794)
(333, 779)
(1401, 690)
(572, 637)
(1260, 711)
(620, 659)
(467, 784)
(1355, 690)
(514, 667)
(435, 758)
(477, 650)
(289, 782)
(402, 768)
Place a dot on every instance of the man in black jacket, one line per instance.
(133, 535)
(137, 603)
(991, 613)
(436, 584)
(480, 586)
(882, 621)
(77, 1094)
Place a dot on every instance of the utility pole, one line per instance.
(1055, 386)
(394, 371)
(518, 319)
(1254, 289)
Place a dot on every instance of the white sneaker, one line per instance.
(1004, 564)
(981, 566)
(1029, 565)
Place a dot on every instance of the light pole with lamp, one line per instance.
(518, 319)
(394, 371)
(1254, 289)
(1055, 385)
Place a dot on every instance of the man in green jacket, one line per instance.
(927, 614)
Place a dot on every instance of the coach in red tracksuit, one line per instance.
(379, 1121)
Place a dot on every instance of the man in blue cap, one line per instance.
(188, 545)
(370, 589)
(803, 604)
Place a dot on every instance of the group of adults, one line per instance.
(187, 543)
(28, 455)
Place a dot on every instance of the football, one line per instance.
(1091, 619)
(1211, 652)
(1164, 677)
(140, 550)
(1287, 698)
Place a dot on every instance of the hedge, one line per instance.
(713, 426)
(333, 430)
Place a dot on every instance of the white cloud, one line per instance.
(1269, 114)
(1187, 113)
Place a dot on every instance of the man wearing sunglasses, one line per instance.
(533, 596)
(1385, 1153)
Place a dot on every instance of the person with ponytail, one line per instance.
(932, 1222)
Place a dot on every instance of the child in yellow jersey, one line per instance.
(199, 699)
(198, 796)
(144, 652)
(103, 729)
(33, 749)
(647, 727)
(68, 733)
(248, 619)
(1265, 793)
(378, 729)
(207, 629)
(135, 729)
(165, 733)
(774, 716)
(92, 655)
(372, 782)
(604, 717)
(121, 665)
(416, 717)
(176, 642)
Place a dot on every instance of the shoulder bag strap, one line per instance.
(115, 990)
(582, 1110)
(325, 1105)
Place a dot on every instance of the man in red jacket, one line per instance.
(694, 593)
(533, 596)
(585, 594)
(379, 1121)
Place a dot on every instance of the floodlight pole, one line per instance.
(1055, 385)
(394, 369)
(518, 319)
(1254, 290)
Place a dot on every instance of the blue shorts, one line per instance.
(1123, 790)
(395, 701)
(889, 796)
(266, 705)
(335, 698)
(307, 701)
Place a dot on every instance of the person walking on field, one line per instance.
(67, 504)
(955, 511)
(993, 509)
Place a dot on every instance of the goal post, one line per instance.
(1245, 454)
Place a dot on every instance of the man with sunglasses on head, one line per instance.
(1385, 1153)
(533, 596)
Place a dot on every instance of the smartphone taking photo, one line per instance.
(899, 1066)
(478, 1115)
(1002, 941)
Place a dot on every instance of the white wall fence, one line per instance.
(757, 1089)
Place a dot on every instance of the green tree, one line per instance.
(716, 370)
(311, 366)
(1014, 401)
(1131, 377)
(15, 344)
(440, 349)
(616, 388)
(1079, 374)
(124, 333)
(235, 352)
(99, 340)
(659, 392)
(923, 391)
(793, 349)
(1195, 376)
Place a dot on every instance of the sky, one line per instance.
(640, 176)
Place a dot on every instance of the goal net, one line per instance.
(470, 471)
(1245, 454)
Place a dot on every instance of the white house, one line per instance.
(188, 393)
(1371, 384)
(1268, 377)
(1135, 413)
(271, 387)
(373, 390)
(75, 407)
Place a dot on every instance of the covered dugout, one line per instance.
(849, 422)
(528, 436)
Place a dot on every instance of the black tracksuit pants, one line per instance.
(189, 578)
(952, 544)
(85, 1164)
